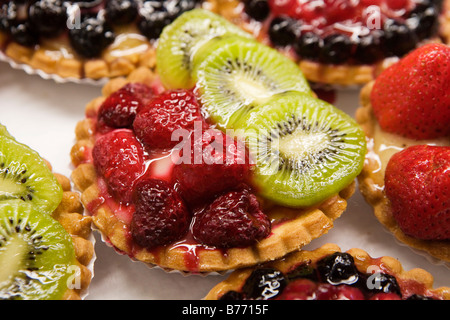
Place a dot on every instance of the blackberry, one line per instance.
(121, 12)
(424, 20)
(337, 48)
(49, 17)
(282, 31)
(23, 33)
(8, 15)
(257, 9)
(93, 36)
(369, 48)
(400, 39)
(308, 45)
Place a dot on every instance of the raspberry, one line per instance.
(233, 219)
(119, 159)
(299, 289)
(417, 183)
(121, 107)
(214, 163)
(170, 111)
(160, 217)
(385, 296)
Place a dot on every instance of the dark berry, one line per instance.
(308, 46)
(232, 295)
(419, 297)
(8, 15)
(49, 17)
(337, 49)
(383, 283)
(369, 48)
(92, 37)
(23, 33)
(264, 284)
(338, 268)
(213, 163)
(172, 110)
(424, 21)
(283, 31)
(400, 39)
(160, 217)
(257, 9)
(233, 219)
(120, 108)
(121, 12)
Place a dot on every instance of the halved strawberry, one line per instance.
(411, 97)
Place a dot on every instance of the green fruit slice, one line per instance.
(305, 150)
(237, 75)
(182, 38)
(25, 176)
(37, 257)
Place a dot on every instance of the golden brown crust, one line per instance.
(69, 214)
(444, 22)
(363, 261)
(371, 185)
(291, 235)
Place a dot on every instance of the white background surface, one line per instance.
(43, 114)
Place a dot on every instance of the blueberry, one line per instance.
(369, 48)
(400, 39)
(337, 49)
(264, 284)
(92, 37)
(283, 31)
(308, 45)
(152, 23)
(257, 9)
(338, 268)
(49, 17)
(384, 283)
(424, 21)
(121, 12)
(23, 33)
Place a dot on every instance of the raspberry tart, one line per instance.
(405, 176)
(338, 42)
(90, 39)
(168, 164)
(327, 273)
(46, 251)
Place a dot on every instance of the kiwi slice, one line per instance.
(5, 132)
(25, 176)
(304, 149)
(234, 75)
(179, 40)
(36, 254)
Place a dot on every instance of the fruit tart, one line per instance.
(445, 22)
(45, 247)
(222, 159)
(338, 42)
(328, 273)
(405, 113)
(84, 39)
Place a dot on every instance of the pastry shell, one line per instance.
(363, 262)
(299, 229)
(371, 185)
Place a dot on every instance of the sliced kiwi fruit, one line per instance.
(180, 40)
(304, 149)
(36, 254)
(5, 132)
(234, 75)
(24, 175)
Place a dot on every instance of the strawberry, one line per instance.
(411, 98)
(120, 108)
(119, 158)
(417, 183)
(172, 110)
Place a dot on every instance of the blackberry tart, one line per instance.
(46, 250)
(90, 39)
(405, 176)
(168, 164)
(327, 273)
(338, 42)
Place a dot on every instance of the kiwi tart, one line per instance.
(154, 202)
(90, 40)
(339, 43)
(328, 273)
(45, 247)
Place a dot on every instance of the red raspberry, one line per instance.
(233, 219)
(345, 292)
(417, 183)
(160, 217)
(385, 296)
(411, 98)
(119, 158)
(300, 289)
(170, 111)
(121, 107)
(214, 163)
